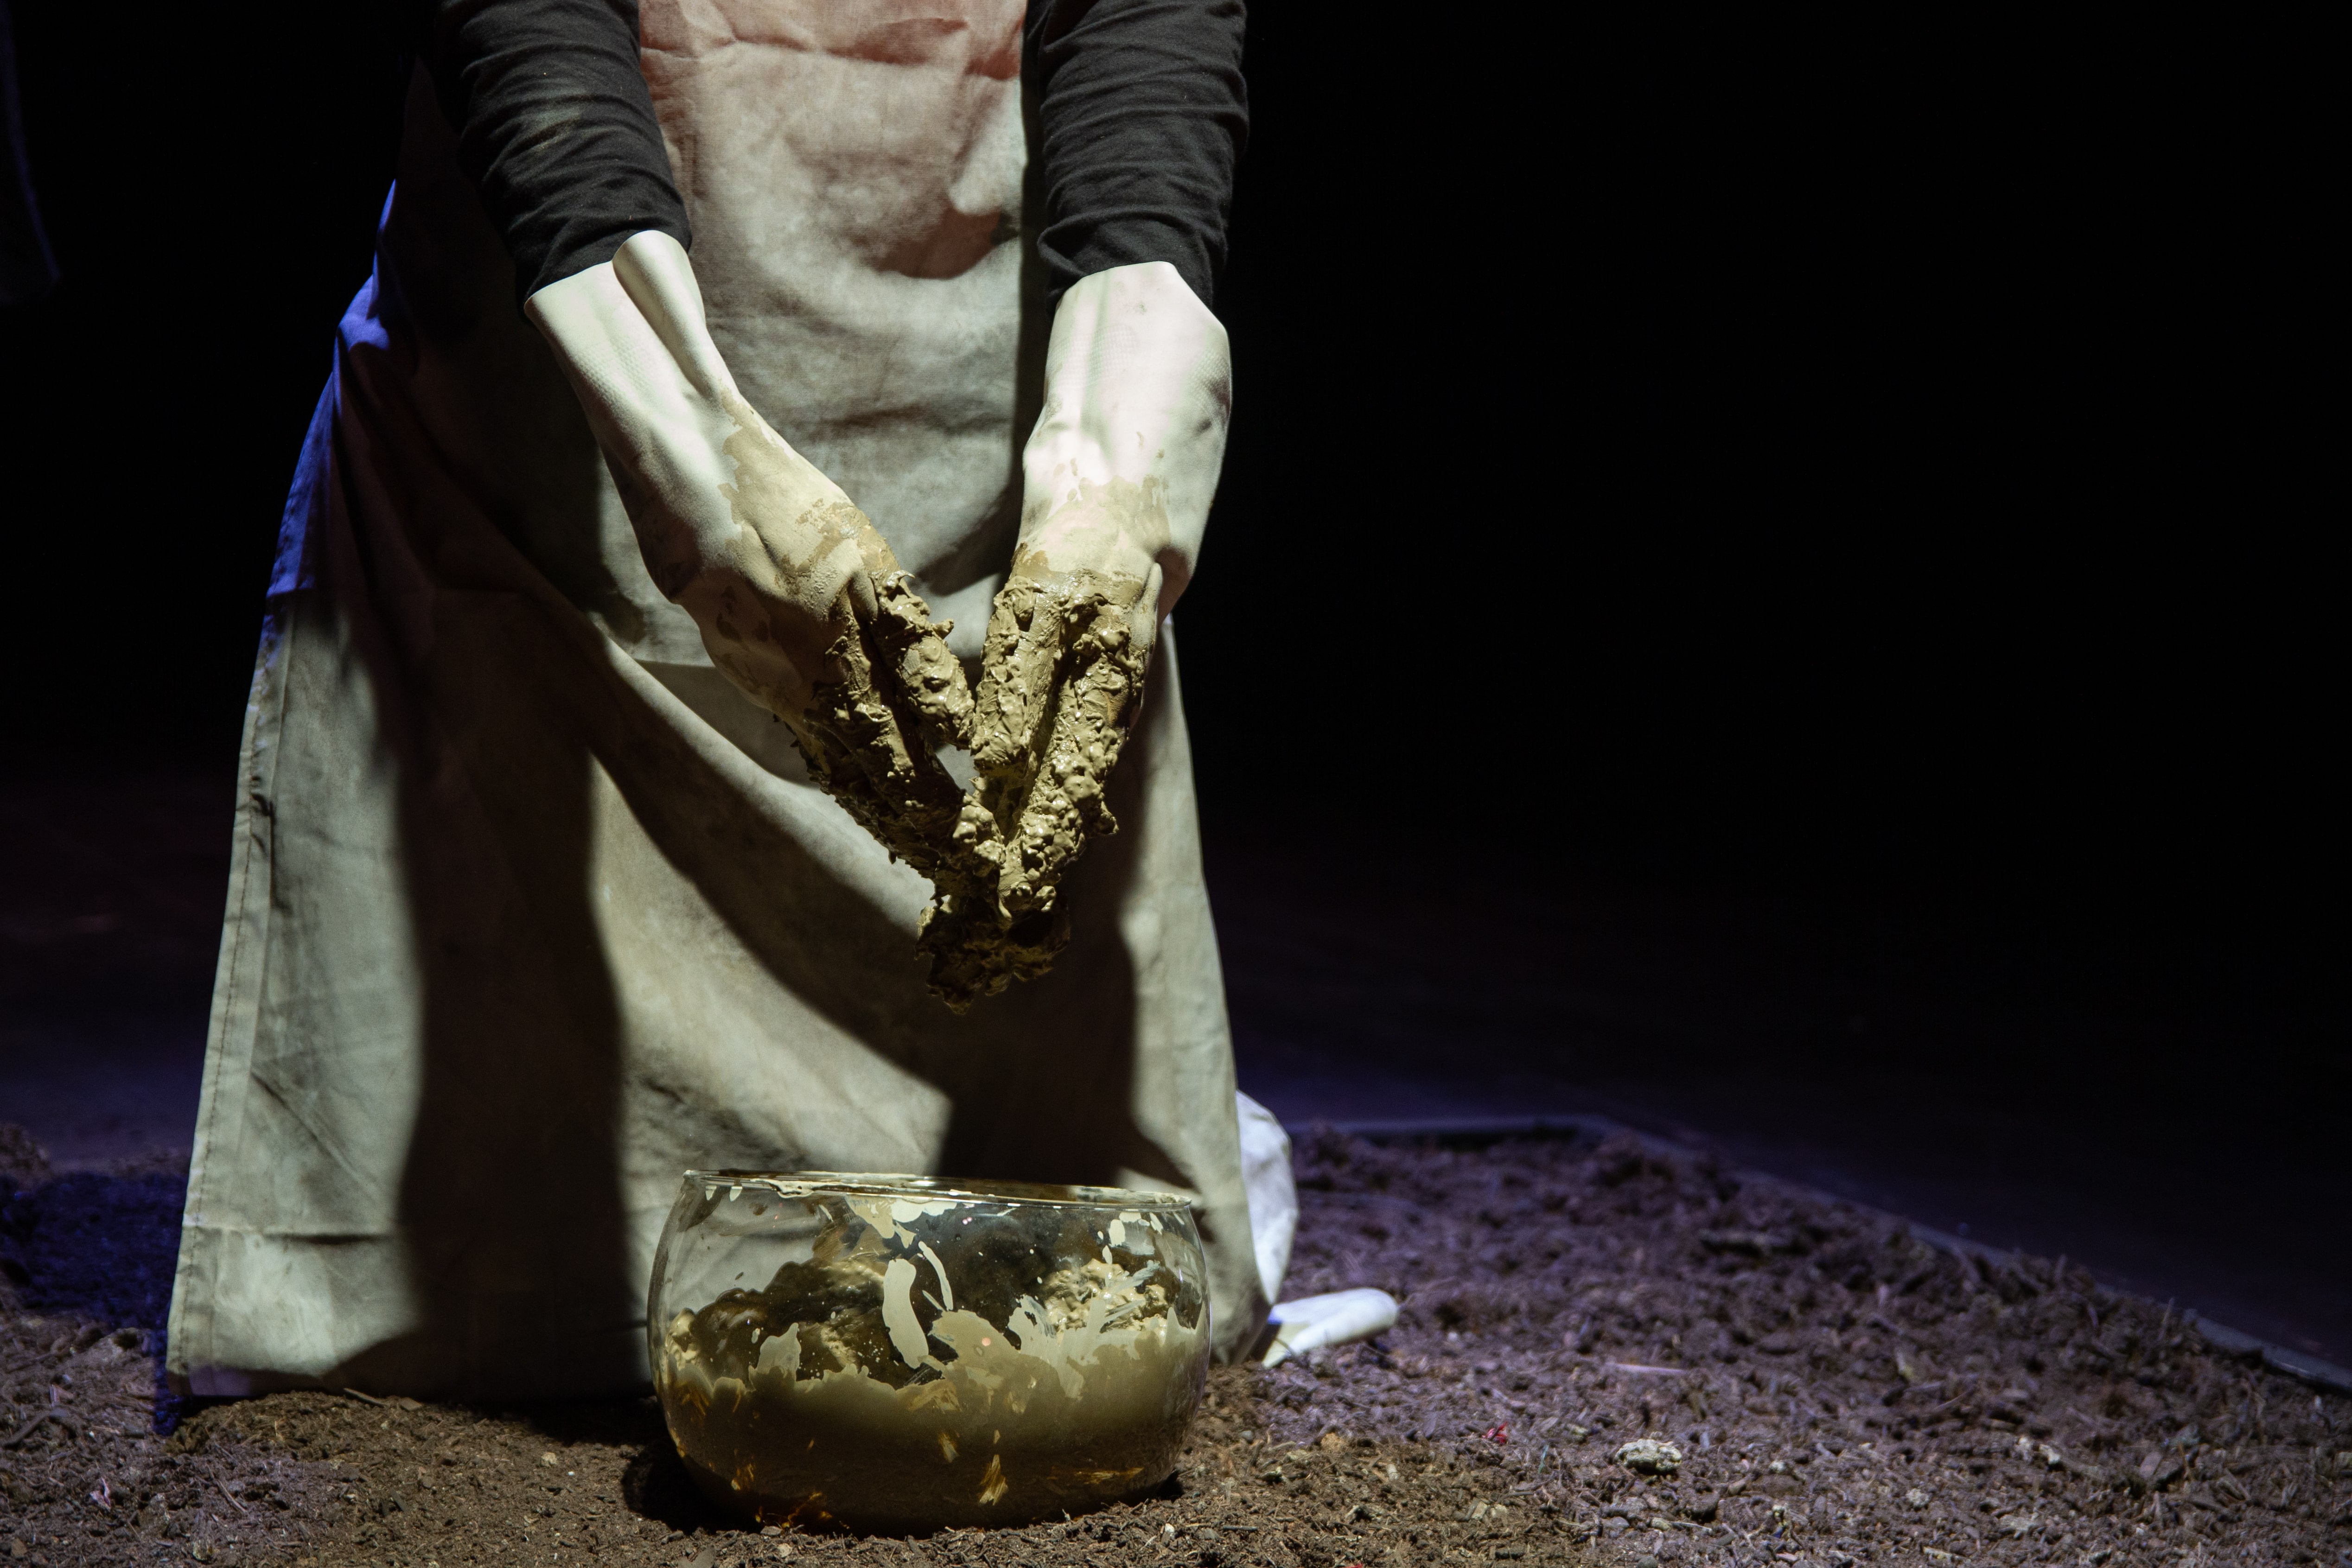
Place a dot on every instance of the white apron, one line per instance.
(531, 911)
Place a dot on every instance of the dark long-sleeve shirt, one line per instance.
(1140, 117)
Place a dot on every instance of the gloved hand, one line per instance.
(798, 600)
(1117, 477)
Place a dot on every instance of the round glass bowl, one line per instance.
(910, 1352)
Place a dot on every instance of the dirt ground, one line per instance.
(1818, 1389)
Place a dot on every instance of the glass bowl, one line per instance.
(911, 1352)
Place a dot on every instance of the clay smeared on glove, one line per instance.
(856, 732)
(1118, 476)
(1062, 682)
(888, 693)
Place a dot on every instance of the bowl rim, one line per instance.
(967, 1189)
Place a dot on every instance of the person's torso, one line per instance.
(853, 174)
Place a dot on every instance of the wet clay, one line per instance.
(813, 618)
(972, 1370)
(1062, 682)
(807, 611)
(869, 734)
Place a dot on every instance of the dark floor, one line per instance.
(2166, 1109)
(2141, 1111)
(111, 895)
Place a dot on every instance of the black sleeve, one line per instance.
(1141, 115)
(554, 127)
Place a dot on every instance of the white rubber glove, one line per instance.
(1312, 1322)
(1118, 479)
(798, 600)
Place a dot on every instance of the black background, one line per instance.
(1856, 464)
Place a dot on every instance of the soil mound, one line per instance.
(1604, 1356)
